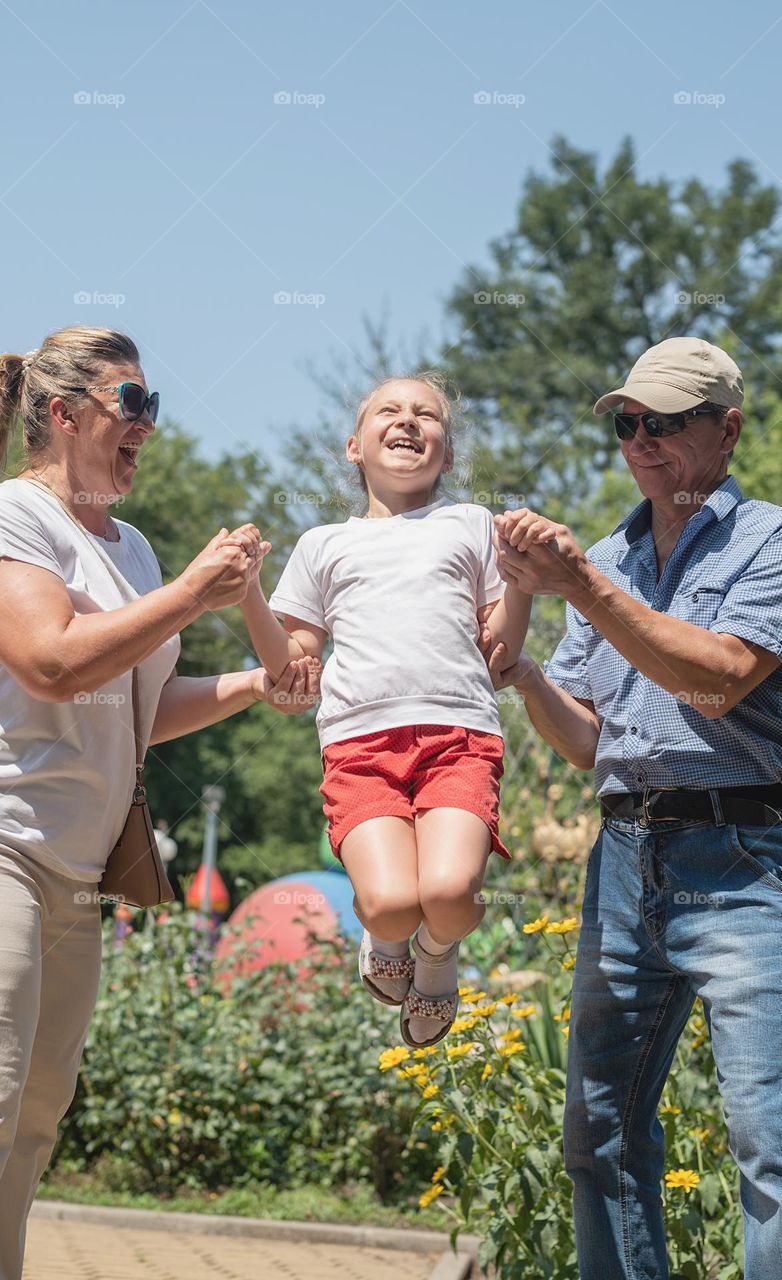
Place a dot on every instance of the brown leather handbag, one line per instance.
(135, 872)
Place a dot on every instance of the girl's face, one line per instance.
(401, 444)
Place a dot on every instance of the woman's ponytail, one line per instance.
(11, 379)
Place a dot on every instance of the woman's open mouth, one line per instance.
(129, 451)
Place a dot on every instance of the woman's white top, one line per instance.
(399, 597)
(67, 769)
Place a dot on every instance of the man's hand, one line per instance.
(297, 689)
(502, 675)
(539, 556)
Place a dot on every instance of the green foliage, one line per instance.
(185, 1085)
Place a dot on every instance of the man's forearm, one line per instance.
(567, 726)
(683, 658)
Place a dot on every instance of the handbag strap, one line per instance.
(117, 577)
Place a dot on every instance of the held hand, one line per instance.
(539, 555)
(221, 573)
(297, 689)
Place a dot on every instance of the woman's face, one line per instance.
(402, 442)
(103, 446)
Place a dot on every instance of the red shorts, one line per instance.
(398, 773)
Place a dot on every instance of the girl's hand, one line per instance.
(297, 689)
(523, 529)
(221, 573)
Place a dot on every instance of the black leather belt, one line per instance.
(750, 806)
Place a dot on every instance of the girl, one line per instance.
(409, 730)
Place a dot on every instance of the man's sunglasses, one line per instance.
(133, 400)
(661, 424)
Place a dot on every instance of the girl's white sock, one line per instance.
(385, 948)
(435, 980)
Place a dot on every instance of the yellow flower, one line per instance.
(509, 999)
(536, 925)
(431, 1091)
(175, 1118)
(392, 1057)
(507, 1050)
(496, 973)
(439, 1174)
(485, 1010)
(566, 1032)
(526, 1011)
(470, 995)
(466, 991)
(563, 926)
(486, 1071)
(564, 1016)
(670, 1110)
(410, 1073)
(513, 1034)
(464, 1024)
(424, 1053)
(687, 1179)
(429, 1195)
(459, 1050)
(700, 1134)
(569, 962)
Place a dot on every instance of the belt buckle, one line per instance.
(647, 816)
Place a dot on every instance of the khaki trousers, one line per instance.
(50, 952)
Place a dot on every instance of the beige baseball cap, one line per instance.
(679, 374)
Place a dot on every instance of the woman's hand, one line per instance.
(221, 574)
(297, 689)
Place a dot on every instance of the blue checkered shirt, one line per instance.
(724, 574)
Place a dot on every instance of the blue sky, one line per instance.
(180, 197)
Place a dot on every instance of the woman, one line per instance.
(83, 604)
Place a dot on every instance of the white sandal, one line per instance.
(443, 1008)
(371, 964)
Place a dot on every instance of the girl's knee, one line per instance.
(388, 915)
(454, 904)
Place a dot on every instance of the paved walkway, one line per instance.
(83, 1251)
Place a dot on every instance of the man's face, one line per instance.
(689, 463)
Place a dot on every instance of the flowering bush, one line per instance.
(493, 1094)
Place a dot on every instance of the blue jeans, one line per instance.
(673, 911)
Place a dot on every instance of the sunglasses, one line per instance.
(133, 400)
(661, 424)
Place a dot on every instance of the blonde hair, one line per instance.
(66, 361)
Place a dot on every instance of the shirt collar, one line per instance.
(719, 504)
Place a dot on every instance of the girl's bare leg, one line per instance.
(381, 858)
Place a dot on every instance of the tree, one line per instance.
(596, 269)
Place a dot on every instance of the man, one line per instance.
(668, 681)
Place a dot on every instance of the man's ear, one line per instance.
(732, 425)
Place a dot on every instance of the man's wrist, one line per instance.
(589, 586)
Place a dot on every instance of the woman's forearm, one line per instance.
(570, 728)
(274, 647)
(189, 703)
(97, 647)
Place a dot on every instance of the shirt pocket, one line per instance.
(700, 602)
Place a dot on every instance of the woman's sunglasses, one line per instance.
(661, 424)
(133, 400)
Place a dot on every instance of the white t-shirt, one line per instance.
(399, 598)
(67, 769)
